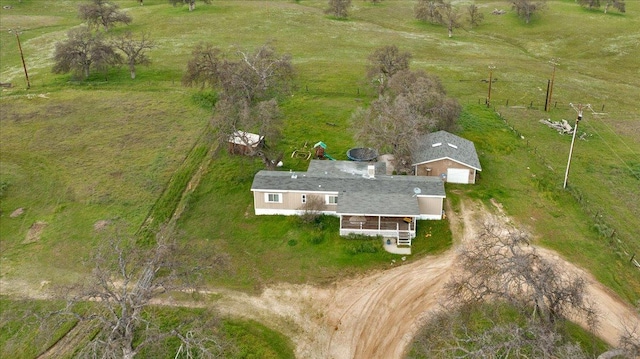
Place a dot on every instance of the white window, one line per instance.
(304, 198)
(273, 197)
(331, 199)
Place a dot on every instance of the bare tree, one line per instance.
(500, 265)
(82, 51)
(124, 281)
(191, 3)
(475, 16)
(439, 12)
(339, 8)
(414, 104)
(248, 89)
(134, 50)
(391, 125)
(527, 8)
(102, 13)
(385, 62)
(205, 67)
(429, 10)
(450, 17)
(616, 4)
(429, 98)
(452, 334)
(628, 345)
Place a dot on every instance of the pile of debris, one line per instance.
(498, 12)
(563, 127)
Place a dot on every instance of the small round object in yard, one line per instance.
(362, 154)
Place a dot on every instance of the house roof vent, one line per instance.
(452, 145)
(436, 144)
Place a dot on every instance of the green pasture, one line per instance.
(73, 153)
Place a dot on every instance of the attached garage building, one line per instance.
(445, 155)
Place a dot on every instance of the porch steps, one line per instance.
(404, 239)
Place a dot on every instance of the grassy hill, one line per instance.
(74, 153)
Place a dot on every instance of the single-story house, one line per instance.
(241, 142)
(367, 200)
(447, 156)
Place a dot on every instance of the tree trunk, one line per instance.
(132, 69)
(450, 31)
(85, 70)
(192, 5)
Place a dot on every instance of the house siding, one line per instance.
(430, 207)
(440, 166)
(291, 202)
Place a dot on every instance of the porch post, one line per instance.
(378, 224)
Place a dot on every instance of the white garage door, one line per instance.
(457, 175)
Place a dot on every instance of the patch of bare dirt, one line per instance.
(35, 231)
(101, 225)
(17, 213)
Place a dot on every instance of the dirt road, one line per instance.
(377, 315)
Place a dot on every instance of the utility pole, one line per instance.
(24, 65)
(555, 63)
(491, 68)
(578, 109)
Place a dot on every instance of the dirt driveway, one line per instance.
(378, 314)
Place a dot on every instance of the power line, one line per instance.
(615, 153)
(597, 116)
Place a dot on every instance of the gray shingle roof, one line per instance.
(357, 192)
(442, 144)
(389, 204)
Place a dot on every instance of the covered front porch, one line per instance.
(403, 229)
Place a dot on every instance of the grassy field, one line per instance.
(73, 153)
(28, 329)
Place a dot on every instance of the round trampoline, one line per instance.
(362, 154)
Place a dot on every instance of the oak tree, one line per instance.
(83, 51)
(429, 11)
(474, 14)
(248, 88)
(450, 17)
(452, 333)
(616, 4)
(414, 104)
(191, 3)
(126, 278)
(527, 8)
(102, 13)
(385, 62)
(439, 12)
(339, 8)
(500, 265)
(134, 50)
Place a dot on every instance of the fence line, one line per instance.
(605, 230)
